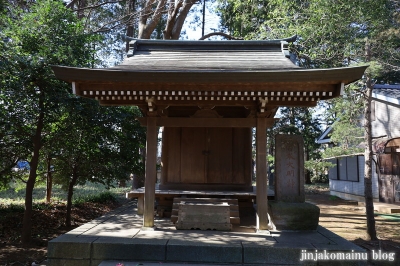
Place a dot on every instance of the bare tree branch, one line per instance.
(98, 5)
(71, 4)
(218, 33)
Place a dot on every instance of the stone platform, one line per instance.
(118, 237)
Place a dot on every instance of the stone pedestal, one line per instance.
(204, 216)
(293, 216)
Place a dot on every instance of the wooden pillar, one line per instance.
(261, 174)
(151, 172)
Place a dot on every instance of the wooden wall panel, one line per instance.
(248, 161)
(220, 155)
(241, 156)
(206, 156)
(173, 151)
(193, 143)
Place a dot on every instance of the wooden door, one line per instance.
(219, 157)
(386, 190)
(193, 155)
(388, 177)
(396, 185)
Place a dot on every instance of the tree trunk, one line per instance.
(177, 14)
(204, 19)
(49, 181)
(369, 203)
(81, 12)
(70, 193)
(149, 19)
(122, 183)
(37, 144)
(129, 25)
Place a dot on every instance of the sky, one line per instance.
(193, 32)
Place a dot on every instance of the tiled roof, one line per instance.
(153, 55)
(388, 93)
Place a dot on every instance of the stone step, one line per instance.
(233, 219)
(228, 200)
(233, 207)
(232, 213)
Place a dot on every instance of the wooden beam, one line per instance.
(261, 174)
(151, 172)
(204, 122)
(292, 103)
(166, 88)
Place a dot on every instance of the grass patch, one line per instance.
(103, 197)
(332, 197)
(14, 197)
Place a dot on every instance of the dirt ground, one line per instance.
(48, 223)
(347, 219)
(342, 217)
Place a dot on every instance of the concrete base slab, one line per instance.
(118, 238)
(148, 263)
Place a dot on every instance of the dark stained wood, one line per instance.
(208, 157)
(164, 157)
(219, 103)
(204, 122)
(172, 138)
(386, 188)
(261, 174)
(166, 88)
(219, 155)
(241, 156)
(193, 158)
(151, 172)
(211, 188)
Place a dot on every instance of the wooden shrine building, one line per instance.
(208, 95)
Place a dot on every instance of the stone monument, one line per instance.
(289, 211)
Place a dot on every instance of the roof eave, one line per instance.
(84, 75)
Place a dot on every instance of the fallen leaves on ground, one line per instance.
(48, 222)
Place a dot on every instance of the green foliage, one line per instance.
(330, 33)
(32, 40)
(16, 197)
(346, 114)
(103, 147)
(103, 197)
(332, 197)
(318, 168)
(299, 121)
